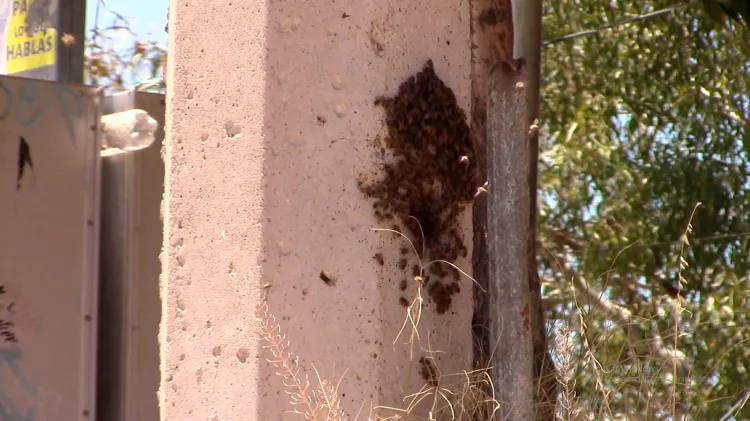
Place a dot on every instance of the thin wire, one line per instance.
(671, 243)
(656, 13)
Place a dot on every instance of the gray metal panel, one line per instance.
(143, 384)
(130, 310)
(120, 101)
(49, 225)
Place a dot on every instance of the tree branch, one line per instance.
(620, 23)
(619, 313)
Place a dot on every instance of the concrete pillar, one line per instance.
(270, 121)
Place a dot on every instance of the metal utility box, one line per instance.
(49, 248)
(81, 184)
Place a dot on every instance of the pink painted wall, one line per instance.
(270, 118)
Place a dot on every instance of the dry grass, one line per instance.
(319, 403)
(568, 401)
(468, 395)
(644, 361)
(462, 396)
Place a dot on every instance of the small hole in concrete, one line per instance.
(243, 354)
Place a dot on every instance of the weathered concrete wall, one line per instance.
(270, 120)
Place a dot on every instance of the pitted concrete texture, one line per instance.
(270, 121)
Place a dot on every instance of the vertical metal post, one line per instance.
(71, 18)
(508, 240)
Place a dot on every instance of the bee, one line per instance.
(428, 371)
(327, 279)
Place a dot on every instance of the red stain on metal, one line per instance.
(525, 314)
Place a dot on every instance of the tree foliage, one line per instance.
(641, 123)
(117, 59)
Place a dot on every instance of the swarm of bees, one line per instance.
(431, 177)
(428, 371)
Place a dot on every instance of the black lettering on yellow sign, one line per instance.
(30, 42)
(21, 6)
(29, 48)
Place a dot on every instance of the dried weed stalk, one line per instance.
(323, 405)
(456, 397)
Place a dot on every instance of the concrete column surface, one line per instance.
(270, 120)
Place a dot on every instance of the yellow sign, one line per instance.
(28, 43)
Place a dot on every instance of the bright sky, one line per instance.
(147, 17)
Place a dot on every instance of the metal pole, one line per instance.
(508, 240)
(71, 20)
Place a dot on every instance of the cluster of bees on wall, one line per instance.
(7, 329)
(430, 179)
